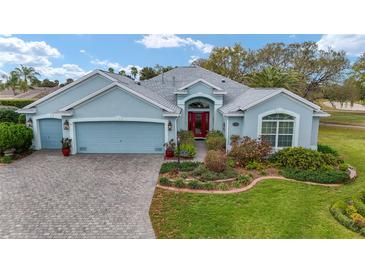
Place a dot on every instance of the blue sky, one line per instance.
(63, 56)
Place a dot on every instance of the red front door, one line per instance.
(198, 123)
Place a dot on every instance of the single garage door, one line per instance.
(119, 137)
(51, 133)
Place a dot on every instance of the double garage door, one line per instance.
(106, 137)
(119, 137)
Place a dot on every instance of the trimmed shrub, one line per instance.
(207, 175)
(255, 165)
(249, 150)
(302, 158)
(343, 167)
(19, 103)
(243, 179)
(223, 186)
(22, 119)
(6, 159)
(15, 136)
(164, 181)
(327, 150)
(186, 151)
(194, 184)
(184, 166)
(215, 140)
(8, 116)
(208, 186)
(216, 160)
(186, 137)
(179, 183)
(338, 212)
(359, 203)
(323, 176)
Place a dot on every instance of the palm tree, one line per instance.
(272, 77)
(13, 81)
(28, 75)
(134, 72)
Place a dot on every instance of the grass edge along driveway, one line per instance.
(272, 209)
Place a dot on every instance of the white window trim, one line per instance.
(285, 111)
(111, 119)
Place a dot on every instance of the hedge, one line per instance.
(19, 103)
(9, 116)
(323, 176)
(15, 136)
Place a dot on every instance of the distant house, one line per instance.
(105, 112)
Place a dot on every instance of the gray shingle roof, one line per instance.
(154, 96)
(167, 83)
(247, 98)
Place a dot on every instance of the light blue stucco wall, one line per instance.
(233, 130)
(285, 102)
(72, 94)
(117, 102)
(314, 134)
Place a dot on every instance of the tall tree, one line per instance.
(111, 70)
(147, 73)
(232, 62)
(317, 67)
(358, 69)
(13, 81)
(273, 77)
(27, 74)
(134, 72)
(122, 72)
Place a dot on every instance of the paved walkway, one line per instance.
(201, 151)
(46, 195)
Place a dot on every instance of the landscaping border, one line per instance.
(243, 189)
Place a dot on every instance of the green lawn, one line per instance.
(272, 209)
(345, 118)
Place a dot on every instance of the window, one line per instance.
(278, 130)
(199, 105)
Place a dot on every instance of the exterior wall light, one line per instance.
(169, 126)
(29, 123)
(66, 125)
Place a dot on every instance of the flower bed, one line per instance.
(250, 160)
(351, 212)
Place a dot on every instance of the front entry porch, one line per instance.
(198, 123)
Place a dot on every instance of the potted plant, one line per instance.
(170, 148)
(66, 146)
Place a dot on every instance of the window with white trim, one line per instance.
(278, 130)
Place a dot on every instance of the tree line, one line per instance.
(23, 78)
(300, 67)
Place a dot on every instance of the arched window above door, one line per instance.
(199, 104)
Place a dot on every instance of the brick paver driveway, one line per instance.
(46, 195)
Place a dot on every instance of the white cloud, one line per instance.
(173, 41)
(193, 58)
(5, 35)
(65, 71)
(352, 44)
(34, 53)
(82, 51)
(116, 66)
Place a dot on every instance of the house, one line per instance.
(104, 112)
